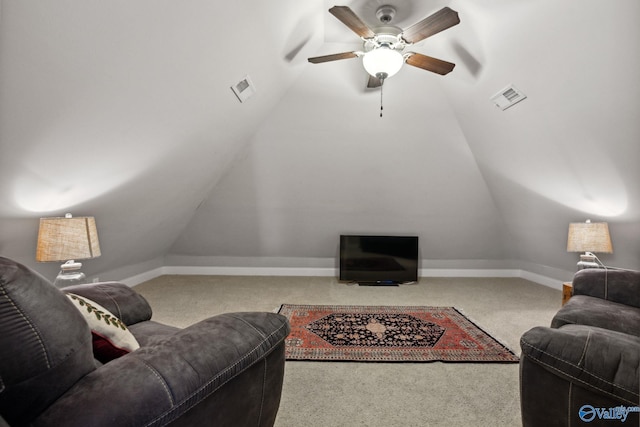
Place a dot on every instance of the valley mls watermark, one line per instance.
(588, 413)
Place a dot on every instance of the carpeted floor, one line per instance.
(378, 394)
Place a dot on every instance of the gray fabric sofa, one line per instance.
(585, 368)
(225, 371)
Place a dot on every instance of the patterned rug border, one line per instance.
(353, 354)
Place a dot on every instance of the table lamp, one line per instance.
(589, 237)
(68, 239)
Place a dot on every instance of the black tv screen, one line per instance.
(379, 259)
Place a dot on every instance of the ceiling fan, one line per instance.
(384, 46)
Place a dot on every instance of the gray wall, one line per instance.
(124, 111)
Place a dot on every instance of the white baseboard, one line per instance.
(331, 272)
(468, 272)
(252, 271)
(143, 277)
(543, 280)
(527, 275)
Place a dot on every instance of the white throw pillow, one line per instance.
(111, 338)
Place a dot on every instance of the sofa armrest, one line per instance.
(125, 303)
(158, 384)
(598, 360)
(621, 286)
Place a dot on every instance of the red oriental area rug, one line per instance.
(388, 334)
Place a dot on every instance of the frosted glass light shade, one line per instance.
(382, 62)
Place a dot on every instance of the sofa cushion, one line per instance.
(111, 338)
(597, 359)
(125, 303)
(621, 286)
(45, 344)
(151, 333)
(592, 311)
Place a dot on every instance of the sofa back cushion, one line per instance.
(621, 286)
(592, 311)
(45, 344)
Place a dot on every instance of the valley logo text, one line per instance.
(588, 413)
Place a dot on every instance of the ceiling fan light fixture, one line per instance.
(382, 62)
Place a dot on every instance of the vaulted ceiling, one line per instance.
(123, 110)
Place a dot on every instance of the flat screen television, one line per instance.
(378, 259)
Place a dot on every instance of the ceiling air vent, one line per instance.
(508, 97)
(244, 89)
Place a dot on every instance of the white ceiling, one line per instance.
(123, 110)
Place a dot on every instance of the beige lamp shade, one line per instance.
(68, 238)
(589, 237)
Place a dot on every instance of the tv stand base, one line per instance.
(380, 283)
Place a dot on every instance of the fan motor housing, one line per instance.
(387, 35)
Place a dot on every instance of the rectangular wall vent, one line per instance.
(244, 89)
(508, 97)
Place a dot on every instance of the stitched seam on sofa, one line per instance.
(248, 324)
(583, 382)
(582, 369)
(569, 404)
(584, 350)
(576, 366)
(162, 381)
(573, 365)
(187, 399)
(33, 327)
(264, 384)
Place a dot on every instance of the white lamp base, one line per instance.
(588, 260)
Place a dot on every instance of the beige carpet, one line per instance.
(378, 394)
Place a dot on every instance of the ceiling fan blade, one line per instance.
(433, 24)
(333, 57)
(430, 64)
(373, 82)
(351, 20)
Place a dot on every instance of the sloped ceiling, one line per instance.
(123, 110)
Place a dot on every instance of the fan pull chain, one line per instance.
(381, 86)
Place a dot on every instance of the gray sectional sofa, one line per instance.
(585, 368)
(226, 370)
